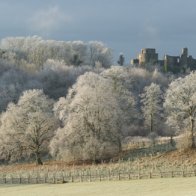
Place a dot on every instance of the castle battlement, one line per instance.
(148, 56)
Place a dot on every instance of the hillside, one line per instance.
(172, 160)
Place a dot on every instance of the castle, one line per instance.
(182, 63)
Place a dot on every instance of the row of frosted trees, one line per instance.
(32, 52)
(99, 110)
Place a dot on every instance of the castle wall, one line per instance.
(135, 61)
(148, 55)
(192, 63)
(174, 64)
(184, 58)
(171, 60)
(171, 63)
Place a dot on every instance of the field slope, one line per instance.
(153, 187)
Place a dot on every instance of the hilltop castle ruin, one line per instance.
(182, 63)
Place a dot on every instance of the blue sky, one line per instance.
(124, 25)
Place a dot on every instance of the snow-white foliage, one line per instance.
(122, 82)
(135, 80)
(180, 103)
(98, 52)
(27, 127)
(160, 78)
(55, 78)
(151, 101)
(92, 120)
(37, 51)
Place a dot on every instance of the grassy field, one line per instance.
(154, 187)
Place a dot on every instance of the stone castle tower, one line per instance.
(148, 56)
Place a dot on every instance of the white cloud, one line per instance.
(48, 20)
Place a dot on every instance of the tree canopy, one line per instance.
(93, 120)
(27, 127)
(180, 103)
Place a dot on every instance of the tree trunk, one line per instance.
(192, 134)
(119, 145)
(171, 141)
(38, 159)
(151, 123)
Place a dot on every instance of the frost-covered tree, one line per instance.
(121, 83)
(135, 80)
(35, 51)
(151, 101)
(92, 120)
(180, 103)
(99, 52)
(57, 77)
(27, 127)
